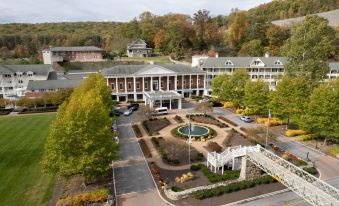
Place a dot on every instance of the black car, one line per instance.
(115, 112)
(133, 106)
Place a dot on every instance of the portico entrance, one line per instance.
(169, 99)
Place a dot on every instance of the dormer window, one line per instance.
(257, 62)
(277, 62)
(229, 63)
(19, 74)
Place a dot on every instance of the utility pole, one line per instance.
(189, 140)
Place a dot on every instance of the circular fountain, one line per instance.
(196, 130)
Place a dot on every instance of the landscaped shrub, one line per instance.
(214, 177)
(233, 187)
(213, 146)
(184, 178)
(273, 122)
(199, 157)
(228, 104)
(177, 189)
(306, 137)
(293, 133)
(178, 119)
(196, 167)
(335, 150)
(311, 170)
(84, 198)
(246, 112)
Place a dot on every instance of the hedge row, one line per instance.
(228, 121)
(293, 133)
(84, 198)
(306, 137)
(39, 110)
(311, 170)
(233, 187)
(214, 177)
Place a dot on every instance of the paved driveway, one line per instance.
(231, 116)
(133, 180)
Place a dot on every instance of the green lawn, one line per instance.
(22, 140)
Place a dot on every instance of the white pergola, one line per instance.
(153, 96)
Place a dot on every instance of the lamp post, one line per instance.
(189, 139)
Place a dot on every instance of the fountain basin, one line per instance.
(196, 130)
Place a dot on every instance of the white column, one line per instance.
(116, 86)
(182, 85)
(151, 84)
(168, 83)
(107, 82)
(160, 102)
(159, 84)
(233, 163)
(179, 103)
(150, 103)
(143, 85)
(135, 88)
(176, 83)
(126, 86)
(197, 92)
(205, 79)
(170, 106)
(190, 85)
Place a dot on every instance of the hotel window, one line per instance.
(138, 85)
(129, 85)
(184, 83)
(113, 86)
(120, 86)
(30, 74)
(274, 70)
(20, 81)
(198, 81)
(191, 81)
(146, 85)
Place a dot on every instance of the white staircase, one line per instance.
(312, 189)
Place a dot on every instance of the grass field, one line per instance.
(22, 140)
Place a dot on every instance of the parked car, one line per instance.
(161, 111)
(114, 126)
(245, 119)
(133, 106)
(128, 112)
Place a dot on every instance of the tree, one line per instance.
(159, 40)
(200, 20)
(256, 95)
(203, 107)
(147, 112)
(230, 88)
(251, 48)
(309, 48)
(80, 140)
(237, 29)
(3, 102)
(26, 102)
(290, 97)
(276, 37)
(322, 111)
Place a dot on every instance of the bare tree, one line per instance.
(203, 107)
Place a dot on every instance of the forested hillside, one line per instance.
(240, 33)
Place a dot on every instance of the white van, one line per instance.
(161, 111)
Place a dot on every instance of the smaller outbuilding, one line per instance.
(138, 48)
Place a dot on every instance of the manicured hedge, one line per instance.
(178, 119)
(228, 105)
(39, 110)
(233, 187)
(273, 122)
(214, 177)
(293, 133)
(306, 137)
(228, 121)
(311, 170)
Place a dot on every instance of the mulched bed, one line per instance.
(152, 126)
(137, 130)
(231, 197)
(237, 139)
(170, 175)
(178, 119)
(176, 150)
(145, 148)
(207, 120)
(228, 121)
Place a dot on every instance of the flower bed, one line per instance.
(84, 198)
(137, 130)
(228, 121)
(206, 119)
(233, 187)
(165, 157)
(178, 119)
(214, 177)
(145, 148)
(153, 126)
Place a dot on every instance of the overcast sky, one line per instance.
(33, 11)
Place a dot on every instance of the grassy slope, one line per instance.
(21, 145)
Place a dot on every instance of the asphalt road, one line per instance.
(287, 198)
(133, 179)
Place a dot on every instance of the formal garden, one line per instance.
(184, 181)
